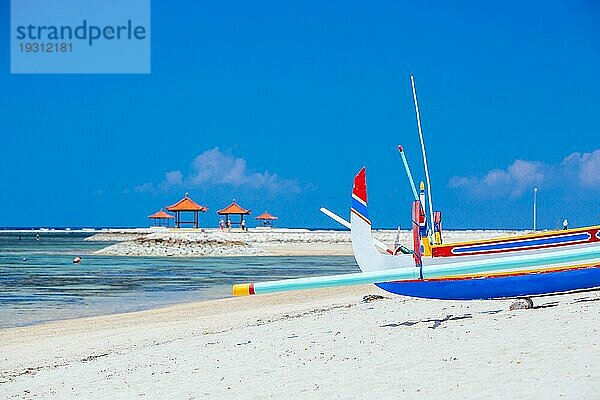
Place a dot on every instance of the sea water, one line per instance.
(39, 281)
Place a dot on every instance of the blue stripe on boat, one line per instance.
(577, 237)
(498, 287)
(360, 208)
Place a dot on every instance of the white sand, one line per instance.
(314, 344)
(277, 242)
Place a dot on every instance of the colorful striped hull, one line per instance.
(499, 286)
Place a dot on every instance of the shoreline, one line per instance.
(213, 242)
(303, 340)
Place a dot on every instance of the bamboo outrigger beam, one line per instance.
(529, 262)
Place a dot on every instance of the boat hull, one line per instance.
(500, 286)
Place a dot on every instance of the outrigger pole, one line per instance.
(486, 267)
(412, 81)
(347, 224)
(408, 173)
(335, 217)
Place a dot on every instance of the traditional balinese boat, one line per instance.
(510, 267)
(526, 265)
(521, 266)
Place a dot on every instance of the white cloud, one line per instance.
(586, 167)
(214, 167)
(142, 188)
(582, 170)
(173, 178)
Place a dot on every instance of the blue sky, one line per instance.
(279, 105)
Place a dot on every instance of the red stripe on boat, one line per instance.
(359, 189)
(360, 216)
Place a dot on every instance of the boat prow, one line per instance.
(366, 254)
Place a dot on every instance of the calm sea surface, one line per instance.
(39, 282)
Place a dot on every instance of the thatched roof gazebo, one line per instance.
(234, 209)
(267, 219)
(161, 218)
(186, 205)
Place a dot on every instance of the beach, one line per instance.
(127, 325)
(324, 343)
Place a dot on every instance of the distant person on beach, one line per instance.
(221, 224)
(228, 225)
(565, 224)
(243, 225)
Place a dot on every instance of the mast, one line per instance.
(535, 190)
(412, 81)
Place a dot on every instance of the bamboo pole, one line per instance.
(531, 262)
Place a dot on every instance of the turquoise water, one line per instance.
(48, 286)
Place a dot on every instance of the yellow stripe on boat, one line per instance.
(242, 289)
